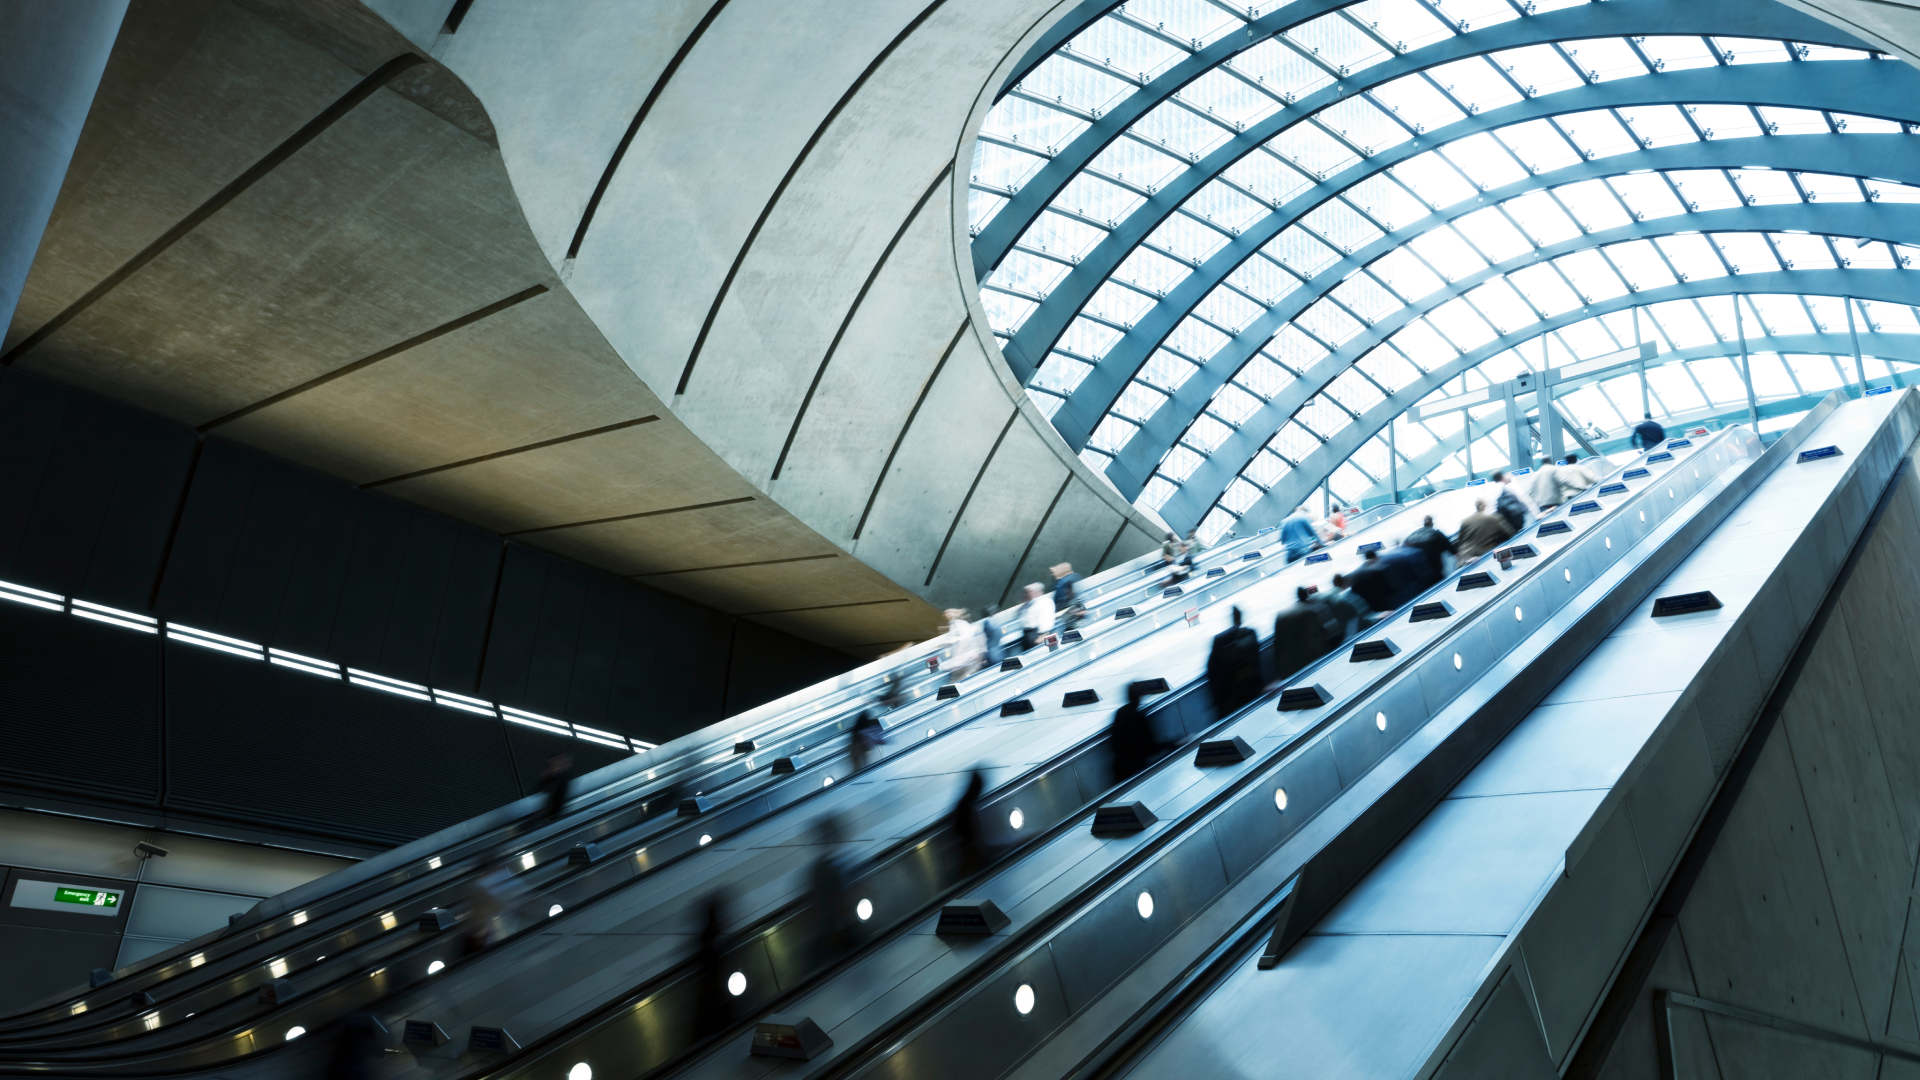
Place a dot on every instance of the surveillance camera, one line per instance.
(146, 851)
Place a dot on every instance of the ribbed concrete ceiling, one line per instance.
(578, 274)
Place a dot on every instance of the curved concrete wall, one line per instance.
(781, 255)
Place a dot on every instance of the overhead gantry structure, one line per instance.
(1226, 249)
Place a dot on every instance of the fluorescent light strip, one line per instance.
(329, 672)
(391, 686)
(638, 745)
(55, 597)
(448, 697)
(35, 601)
(483, 710)
(193, 639)
(618, 745)
(174, 627)
(543, 726)
(584, 730)
(130, 616)
(97, 617)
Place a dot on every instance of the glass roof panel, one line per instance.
(1815, 374)
(1462, 325)
(1829, 52)
(1312, 149)
(1646, 194)
(1061, 373)
(1405, 274)
(1783, 314)
(1502, 306)
(1294, 349)
(1114, 43)
(1225, 307)
(1338, 43)
(1072, 83)
(1541, 218)
(1151, 270)
(1591, 276)
(1225, 96)
(1539, 69)
(1300, 252)
(1030, 123)
(1325, 321)
(1137, 162)
(1598, 133)
(1593, 204)
(1484, 160)
(1765, 187)
(1174, 125)
(1494, 235)
(1747, 253)
(1545, 289)
(1659, 125)
(1539, 145)
(1640, 263)
(1705, 189)
(1866, 125)
(1138, 402)
(1366, 298)
(1263, 279)
(1097, 200)
(1431, 178)
(1823, 188)
(1358, 121)
(1417, 102)
(1476, 83)
(1409, 24)
(1726, 121)
(1737, 50)
(1112, 434)
(1340, 225)
(1420, 343)
(1262, 377)
(1781, 121)
(1196, 20)
(1003, 167)
(1267, 177)
(1386, 201)
(1692, 255)
(1448, 253)
(1480, 14)
(1606, 59)
(1799, 251)
(1677, 53)
(1220, 204)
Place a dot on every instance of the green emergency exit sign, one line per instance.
(86, 897)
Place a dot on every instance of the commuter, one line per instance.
(970, 847)
(1297, 535)
(969, 645)
(1036, 617)
(1191, 547)
(1234, 675)
(1131, 738)
(1371, 582)
(493, 895)
(1435, 543)
(1545, 490)
(1066, 601)
(1338, 519)
(892, 693)
(1170, 550)
(1481, 532)
(555, 779)
(1409, 569)
(1513, 505)
(1350, 613)
(995, 648)
(1303, 632)
(832, 912)
(712, 1005)
(1647, 434)
(867, 735)
(1571, 479)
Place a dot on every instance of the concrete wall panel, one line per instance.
(1015, 489)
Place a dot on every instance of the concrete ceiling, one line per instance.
(279, 230)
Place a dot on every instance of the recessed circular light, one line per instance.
(580, 1071)
(705, 839)
(1144, 905)
(1280, 799)
(1518, 615)
(436, 967)
(864, 909)
(1457, 662)
(1569, 574)
(295, 1032)
(1380, 721)
(554, 910)
(1023, 999)
(737, 983)
(1016, 819)
(828, 783)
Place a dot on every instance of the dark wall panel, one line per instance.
(532, 749)
(595, 652)
(263, 556)
(550, 670)
(319, 571)
(671, 674)
(474, 562)
(516, 617)
(74, 495)
(79, 705)
(208, 536)
(147, 489)
(372, 765)
(768, 664)
(30, 416)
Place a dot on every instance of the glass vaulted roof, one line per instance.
(1226, 248)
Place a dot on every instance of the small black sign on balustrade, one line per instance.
(1076, 698)
(1654, 459)
(1122, 819)
(1587, 507)
(1479, 579)
(1011, 663)
(1439, 609)
(973, 918)
(1518, 551)
(1375, 546)
(1173, 590)
(1124, 613)
(1321, 557)
(1554, 528)
(1375, 649)
(946, 693)
(1819, 454)
(1636, 474)
(1217, 752)
(423, 1033)
(491, 1040)
(1016, 707)
(1613, 489)
(1218, 571)
(1252, 555)
(1678, 444)
(1295, 698)
(1685, 604)
(1153, 686)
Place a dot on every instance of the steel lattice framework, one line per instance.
(1225, 247)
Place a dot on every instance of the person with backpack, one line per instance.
(1513, 505)
(1647, 434)
(1303, 632)
(1481, 532)
(1234, 671)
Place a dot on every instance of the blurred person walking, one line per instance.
(1436, 545)
(1481, 532)
(1066, 602)
(555, 779)
(712, 1005)
(1513, 505)
(1131, 738)
(1297, 534)
(1036, 616)
(970, 846)
(1647, 434)
(1303, 632)
(831, 907)
(969, 645)
(1234, 671)
(994, 648)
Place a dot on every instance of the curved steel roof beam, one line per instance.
(1890, 286)
(1882, 157)
(1728, 18)
(1806, 86)
(1904, 347)
(1204, 486)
